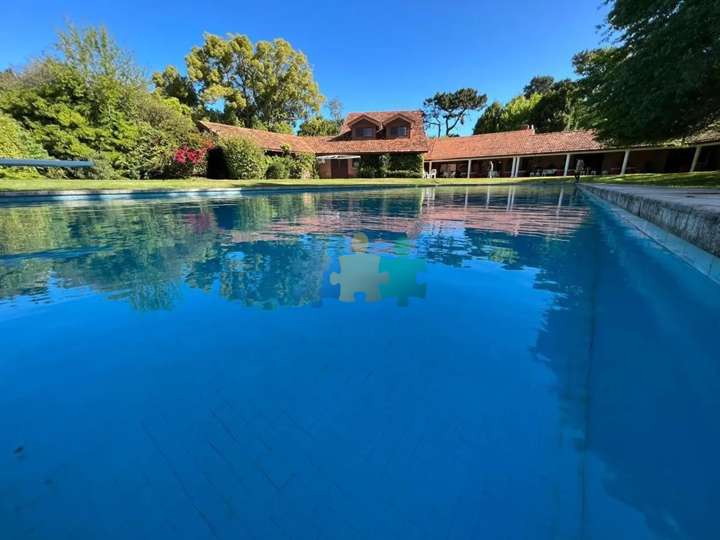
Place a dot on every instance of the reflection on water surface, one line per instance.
(458, 363)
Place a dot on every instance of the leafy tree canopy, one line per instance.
(90, 101)
(320, 126)
(540, 84)
(662, 79)
(491, 120)
(558, 107)
(170, 83)
(267, 85)
(448, 109)
(514, 115)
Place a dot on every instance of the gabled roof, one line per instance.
(363, 116)
(417, 142)
(338, 144)
(524, 142)
(381, 118)
(401, 116)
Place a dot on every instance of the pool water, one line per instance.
(445, 363)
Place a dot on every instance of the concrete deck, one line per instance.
(691, 214)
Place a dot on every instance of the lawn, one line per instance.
(704, 179)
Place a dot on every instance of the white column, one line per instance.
(567, 165)
(625, 162)
(513, 168)
(429, 167)
(469, 165)
(696, 156)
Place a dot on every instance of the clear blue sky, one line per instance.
(372, 55)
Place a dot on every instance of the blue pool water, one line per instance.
(400, 364)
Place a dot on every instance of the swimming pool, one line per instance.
(445, 363)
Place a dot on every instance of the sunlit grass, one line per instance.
(698, 179)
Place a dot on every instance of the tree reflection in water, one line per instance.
(644, 425)
(262, 251)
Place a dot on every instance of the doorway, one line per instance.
(339, 168)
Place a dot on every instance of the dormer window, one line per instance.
(399, 131)
(365, 132)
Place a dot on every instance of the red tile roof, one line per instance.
(267, 140)
(511, 143)
(339, 144)
(524, 142)
(343, 144)
(382, 117)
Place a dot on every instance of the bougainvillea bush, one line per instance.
(190, 161)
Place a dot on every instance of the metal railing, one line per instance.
(47, 163)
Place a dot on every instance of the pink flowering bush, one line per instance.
(190, 161)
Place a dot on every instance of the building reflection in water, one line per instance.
(633, 432)
(266, 251)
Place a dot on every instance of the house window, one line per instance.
(399, 131)
(365, 132)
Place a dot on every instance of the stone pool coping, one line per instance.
(692, 214)
(40, 194)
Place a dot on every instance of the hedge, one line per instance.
(244, 159)
(391, 166)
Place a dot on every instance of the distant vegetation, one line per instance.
(445, 111)
(87, 99)
(545, 103)
(266, 85)
(661, 78)
(658, 80)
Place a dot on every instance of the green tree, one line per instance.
(90, 101)
(557, 108)
(94, 54)
(448, 109)
(540, 84)
(517, 111)
(662, 80)
(170, 83)
(491, 119)
(320, 126)
(267, 85)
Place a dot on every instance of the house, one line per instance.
(524, 152)
(516, 153)
(397, 133)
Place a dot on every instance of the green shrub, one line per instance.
(16, 142)
(405, 162)
(373, 166)
(92, 102)
(303, 166)
(244, 159)
(278, 168)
